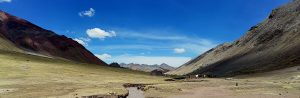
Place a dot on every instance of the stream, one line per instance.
(134, 92)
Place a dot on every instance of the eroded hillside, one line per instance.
(270, 45)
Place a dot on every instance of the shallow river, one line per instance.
(134, 92)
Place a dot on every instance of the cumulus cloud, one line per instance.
(103, 56)
(172, 61)
(179, 50)
(5, 1)
(99, 33)
(89, 13)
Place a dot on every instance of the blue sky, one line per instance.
(145, 31)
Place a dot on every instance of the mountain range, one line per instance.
(146, 67)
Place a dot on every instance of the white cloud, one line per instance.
(82, 42)
(85, 39)
(179, 50)
(103, 56)
(197, 48)
(5, 1)
(131, 47)
(172, 61)
(99, 33)
(89, 13)
(68, 31)
(152, 36)
(189, 43)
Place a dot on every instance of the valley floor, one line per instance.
(28, 76)
(278, 84)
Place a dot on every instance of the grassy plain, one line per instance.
(28, 76)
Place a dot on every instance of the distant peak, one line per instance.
(163, 64)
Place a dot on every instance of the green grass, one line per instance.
(32, 76)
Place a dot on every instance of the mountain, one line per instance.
(20, 35)
(271, 45)
(147, 68)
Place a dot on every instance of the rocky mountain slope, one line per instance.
(147, 68)
(271, 45)
(20, 35)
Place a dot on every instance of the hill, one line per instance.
(271, 45)
(17, 34)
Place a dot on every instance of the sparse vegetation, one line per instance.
(32, 76)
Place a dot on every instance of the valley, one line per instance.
(26, 76)
(38, 63)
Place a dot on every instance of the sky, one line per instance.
(145, 31)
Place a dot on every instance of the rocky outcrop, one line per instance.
(271, 45)
(32, 38)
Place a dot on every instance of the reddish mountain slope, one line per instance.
(32, 38)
